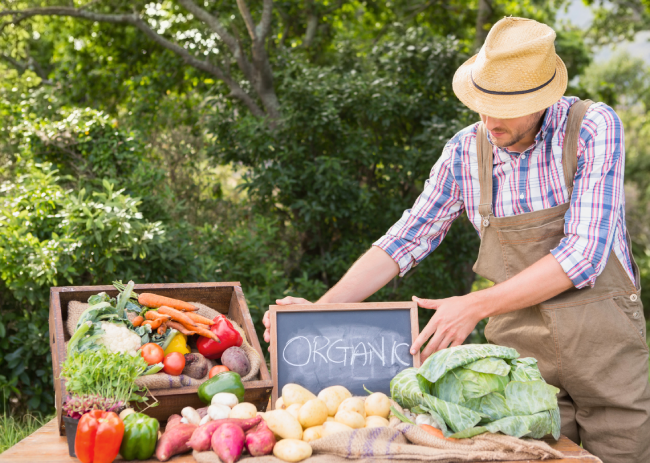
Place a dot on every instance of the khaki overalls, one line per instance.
(590, 343)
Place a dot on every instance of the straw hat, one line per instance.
(515, 73)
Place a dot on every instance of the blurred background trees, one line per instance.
(264, 142)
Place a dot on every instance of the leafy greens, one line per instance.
(481, 388)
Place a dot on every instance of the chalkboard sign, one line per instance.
(352, 345)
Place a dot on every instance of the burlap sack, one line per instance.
(407, 443)
(251, 353)
(165, 381)
(75, 309)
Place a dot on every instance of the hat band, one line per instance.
(519, 92)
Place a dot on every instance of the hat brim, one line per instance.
(508, 106)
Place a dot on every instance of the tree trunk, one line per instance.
(482, 19)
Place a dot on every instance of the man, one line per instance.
(545, 192)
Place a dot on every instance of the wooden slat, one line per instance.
(45, 445)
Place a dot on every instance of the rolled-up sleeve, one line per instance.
(423, 227)
(598, 198)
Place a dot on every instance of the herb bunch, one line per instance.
(104, 374)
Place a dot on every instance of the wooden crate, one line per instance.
(227, 298)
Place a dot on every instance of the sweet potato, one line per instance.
(228, 442)
(201, 438)
(174, 441)
(260, 441)
(173, 420)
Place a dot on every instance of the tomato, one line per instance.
(152, 353)
(174, 363)
(215, 370)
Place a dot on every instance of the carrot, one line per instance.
(162, 328)
(179, 327)
(199, 319)
(154, 324)
(203, 332)
(155, 301)
(154, 315)
(435, 432)
(137, 321)
(176, 315)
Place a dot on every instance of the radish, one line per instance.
(260, 441)
(228, 442)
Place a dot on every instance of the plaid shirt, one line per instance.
(525, 182)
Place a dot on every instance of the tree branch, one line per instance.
(248, 19)
(31, 65)
(264, 26)
(482, 18)
(135, 20)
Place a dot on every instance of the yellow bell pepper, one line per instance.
(178, 344)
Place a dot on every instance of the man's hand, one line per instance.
(454, 320)
(267, 318)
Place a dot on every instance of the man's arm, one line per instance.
(456, 317)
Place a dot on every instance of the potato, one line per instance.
(376, 422)
(313, 433)
(353, 404)
(283, 424)
(292, 450)
(313, 413)
(349, 418)
(243, 411)
(236, 360)
(293, 409)
(330, 418)
(295, 394)
(332, 427)
(333, 396)
(279, 404)
(377, 404)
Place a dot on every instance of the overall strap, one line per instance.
(485, 165)
(571, 137)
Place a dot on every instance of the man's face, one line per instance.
(505, 133)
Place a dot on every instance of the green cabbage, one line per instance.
(481, 388)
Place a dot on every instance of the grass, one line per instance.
(14, 429)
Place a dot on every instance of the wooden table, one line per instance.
(45, 445)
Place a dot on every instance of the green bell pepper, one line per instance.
(140, 437)
(228, 381)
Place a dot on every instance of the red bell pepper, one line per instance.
(228, 335)
(99, 435)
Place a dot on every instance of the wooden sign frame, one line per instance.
(274, 309)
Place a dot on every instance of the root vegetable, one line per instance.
(174, 441)
(313, 413)
(333, 427)
(191, 415)
(260, 441)
(173, 420)
(179, 327)
(350, 418)
(295, 394)
(279, 404)
(313, 433)
(333, 396)
(354, 404)
(137, 321)
(199, 319)
(201, 438)
(294, 409)
(236, 360)
(154, 315)
(377, 404)
(283, 424)
(243, 411)
(218, 412)
(292, 450)
(154, 324)
(176, 315)
(376, 422)
(126, 412)
(155, 301)
(225, 398)
(204, 420)
(228, 442)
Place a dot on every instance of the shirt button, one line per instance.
(521, 196)
(523, 156)
(635, 315)
(634, 297)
